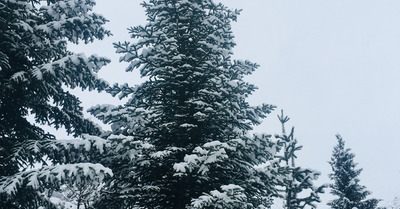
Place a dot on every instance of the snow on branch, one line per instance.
(87, 144)
(229, 196)
(54, 176)
(73, 69)
(203, 157)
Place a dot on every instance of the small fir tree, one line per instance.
(350, 194)
(182, 140)
(299, 189)
(395, 204)
(35, 66)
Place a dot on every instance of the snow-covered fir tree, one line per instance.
(299, 189)
(35, 66)
(349, 193)
(182, 140)
(395, 204)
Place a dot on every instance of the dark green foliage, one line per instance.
(182, 139)
(299, 189)
(35, 66)
(350, 194)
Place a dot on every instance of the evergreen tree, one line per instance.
(350, 194)
(395, 204)
(35, 66)
(299, 189)
(182, 139)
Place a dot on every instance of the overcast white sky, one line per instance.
(333, 66)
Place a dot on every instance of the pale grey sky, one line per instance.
(333, 66)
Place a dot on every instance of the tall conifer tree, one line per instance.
(350, 194)
(299, 188)
(35, 66)
(182, 139)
